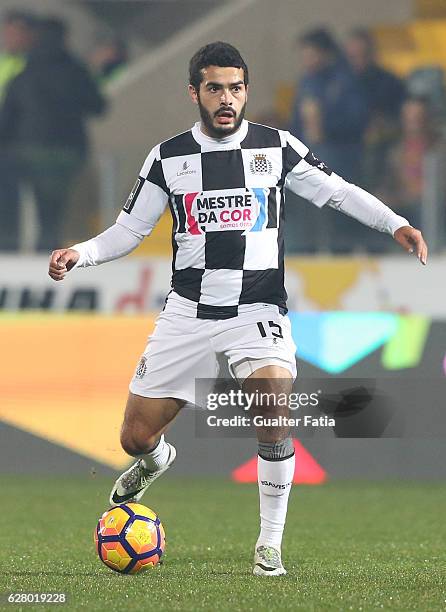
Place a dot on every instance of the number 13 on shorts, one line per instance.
(273, 329)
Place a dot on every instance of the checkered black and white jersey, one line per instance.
(226, 199)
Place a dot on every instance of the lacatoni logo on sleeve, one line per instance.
(233, 209)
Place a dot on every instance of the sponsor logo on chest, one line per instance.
(186, 169)
(235, 209)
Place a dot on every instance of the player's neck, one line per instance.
(202, 135)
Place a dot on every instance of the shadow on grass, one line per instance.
(55, 573)
(160, 572)
(240, 574)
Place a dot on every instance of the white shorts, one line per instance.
(184, 348)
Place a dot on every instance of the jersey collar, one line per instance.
(235, 138)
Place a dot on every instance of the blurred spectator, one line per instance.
(108, 59)
(405, 183)
(330, 116)
(384, 94)
(428, 82)
(43, 120)
(17, 34)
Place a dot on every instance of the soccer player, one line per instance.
(224, 182)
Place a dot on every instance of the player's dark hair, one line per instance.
(215, 54)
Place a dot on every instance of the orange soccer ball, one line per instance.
(129, 538)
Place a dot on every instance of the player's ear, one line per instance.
(193, 94)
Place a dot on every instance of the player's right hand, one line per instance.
(61, 262)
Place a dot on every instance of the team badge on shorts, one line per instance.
(141, 368)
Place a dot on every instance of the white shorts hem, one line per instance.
(162, 394)
(241, 370)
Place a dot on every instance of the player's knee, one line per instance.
(128, 443)
(137, 439)
(269, 386)
(136, 442)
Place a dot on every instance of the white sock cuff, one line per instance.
(276, 451)
(157, 457)
(275, 477)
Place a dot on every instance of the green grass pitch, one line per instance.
(347, 546)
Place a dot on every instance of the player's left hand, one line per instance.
(412, 240)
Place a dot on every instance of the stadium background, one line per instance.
(69, 349)
(68, 399)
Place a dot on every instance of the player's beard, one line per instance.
(220, 131)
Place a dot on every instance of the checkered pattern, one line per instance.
(260, 164)
(226, 199)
